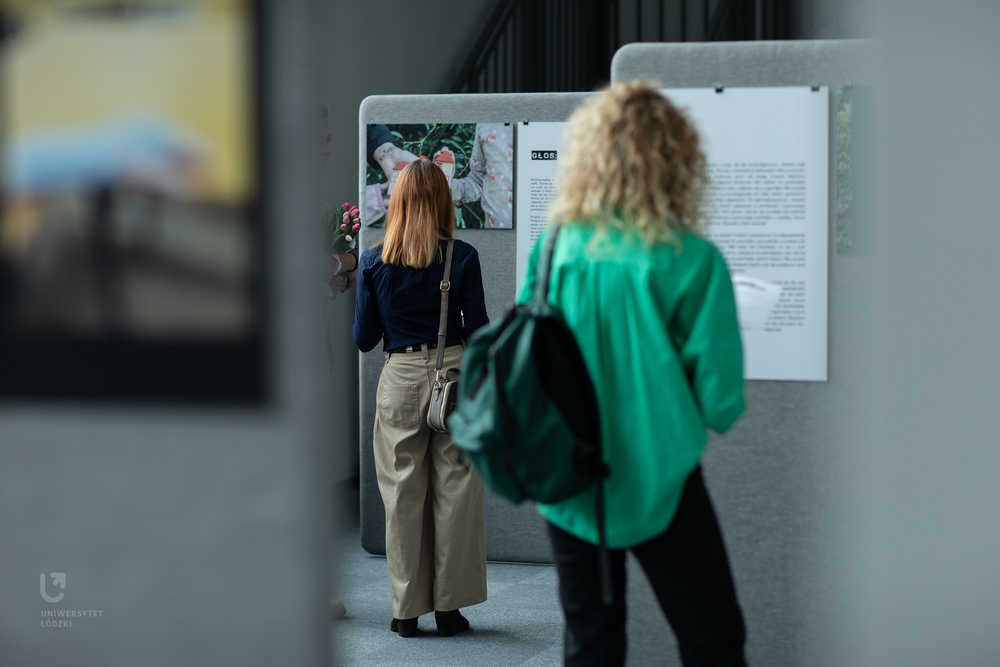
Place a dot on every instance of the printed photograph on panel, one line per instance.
(477, 158)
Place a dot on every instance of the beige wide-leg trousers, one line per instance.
(435, 537)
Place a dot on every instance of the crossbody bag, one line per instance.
(444, 393)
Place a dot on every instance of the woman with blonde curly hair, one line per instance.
(650, 302)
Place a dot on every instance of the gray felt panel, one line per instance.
(783, 63)
(781, 478)
(513, 533)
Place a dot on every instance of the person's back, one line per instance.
(651, 305)
(655, 327)
(408, 294)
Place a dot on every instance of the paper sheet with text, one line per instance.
(767, 211)
(538, 146)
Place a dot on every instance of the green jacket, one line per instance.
(657, 328)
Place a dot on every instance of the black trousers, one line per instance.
(689, 572)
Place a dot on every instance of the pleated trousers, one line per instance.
(435, 537)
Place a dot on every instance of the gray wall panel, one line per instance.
(781, 480)
(513, 533)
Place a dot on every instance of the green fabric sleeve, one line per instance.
(707, 335)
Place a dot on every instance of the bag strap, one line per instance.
(542, 277)
(544, 271)
(443, 328)
(603, 557)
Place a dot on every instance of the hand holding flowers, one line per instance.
(344, 225)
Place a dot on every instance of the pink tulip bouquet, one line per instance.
(344, 223)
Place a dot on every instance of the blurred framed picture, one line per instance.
(130, 264)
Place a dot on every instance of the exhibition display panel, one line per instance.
(481, 133)
(779, 478)
(767, 114)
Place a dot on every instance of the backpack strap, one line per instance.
(603, 558)
(443, 327)
(544, 271)
(542, 277)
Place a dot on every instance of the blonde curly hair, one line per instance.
(631, 159)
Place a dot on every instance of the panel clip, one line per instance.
(815, 87)
(718, 86)
(525, 121)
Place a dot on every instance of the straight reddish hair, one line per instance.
(419, 209)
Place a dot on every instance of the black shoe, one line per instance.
(406, 627)
(450, 622)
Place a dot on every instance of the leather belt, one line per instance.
(419, 347)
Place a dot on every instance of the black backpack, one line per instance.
(527, 416)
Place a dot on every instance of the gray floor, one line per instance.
(520, 625)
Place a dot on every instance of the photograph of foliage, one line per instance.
(426, 139)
